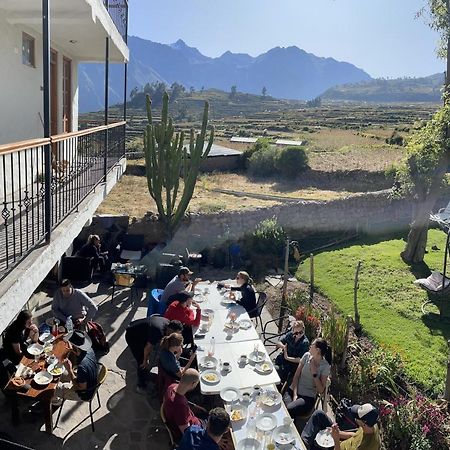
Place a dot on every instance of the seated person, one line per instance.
(171, 349)
(142, 336)
(82, 385)
(294, 345)
(68, 301)
(17, 335)
(248, 294)
(310, 378)
(179, 283)
(197, 438)
(367, 437)
(92, 249)
(177, 411)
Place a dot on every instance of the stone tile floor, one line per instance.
(126, 420)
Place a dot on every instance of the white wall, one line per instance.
(21, 111)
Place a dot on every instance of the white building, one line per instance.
(48, 168)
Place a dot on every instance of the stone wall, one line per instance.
(368, 213)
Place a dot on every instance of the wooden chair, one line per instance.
(102, 374)
(169, 431)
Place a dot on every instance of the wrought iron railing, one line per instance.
(79, 162)
(118, 11)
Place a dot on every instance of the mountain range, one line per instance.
(285, 72)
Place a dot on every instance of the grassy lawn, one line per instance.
(389, 302)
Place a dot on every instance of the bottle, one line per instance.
(251, 424)
(212, 347)
(69, 324)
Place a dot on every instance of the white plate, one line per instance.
(56, 369)
(283, 435)
(209, 374)
(231, 327)
(43, 378)
(245, 324)
(206, 313)
(46, 337)
(209, 362)
(230, 394)
(248, 444)
(238, 413)
(324, 439)
(257, 357)
(228, 301)
(264, 368)
(271, 398)
(35, 349)
(266, 422)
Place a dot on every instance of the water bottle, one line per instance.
(251, 424)
(69, 324)
(212, 347)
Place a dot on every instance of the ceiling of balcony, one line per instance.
(79, 26)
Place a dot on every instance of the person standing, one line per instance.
(68, 301)
(179, 283)
(142, 337)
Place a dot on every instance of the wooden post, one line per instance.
(347, 336)
(447, 381)
(284, 291)
(311, 278)
(355, 298)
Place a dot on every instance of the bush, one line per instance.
(334, 330)
(311, 318)
(269, 237)
(262, 163)
(291, 161)
(260, 144)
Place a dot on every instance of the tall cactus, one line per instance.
(166, 160)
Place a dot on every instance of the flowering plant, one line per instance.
(310, 318)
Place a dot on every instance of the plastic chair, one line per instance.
(102, 373)
(155, 305)
(262, 300)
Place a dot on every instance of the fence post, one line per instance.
(106, 137)
(285, 281)
(347, 336)
(447, 381)
(311, 278)
(355, 298)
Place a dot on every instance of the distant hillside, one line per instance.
(427, 89)
(285, 72)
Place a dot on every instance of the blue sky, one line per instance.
(382, 37)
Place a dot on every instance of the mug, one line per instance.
(246, 397)
(226, 366)
(243, 359)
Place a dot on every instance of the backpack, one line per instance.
(344, 417)
(98, 338)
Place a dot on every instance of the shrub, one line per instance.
(269, 238)
(311, 318)
(262, 163)
(260, 144)
(334, 330)
(291, 161)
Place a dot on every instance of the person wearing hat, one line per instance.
(179, 283)
(82, 385)
(366, 437)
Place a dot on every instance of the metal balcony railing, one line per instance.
(118, 11)
(79, 162)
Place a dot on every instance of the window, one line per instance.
(27, 50)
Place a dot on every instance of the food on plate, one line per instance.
(284, 438)
(210, 377)
(265, 367)
(236, 415)
(228, 325)
(56, 371)
(268, 401)
(17, 381)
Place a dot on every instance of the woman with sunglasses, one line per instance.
(294, 344)
(248, 294)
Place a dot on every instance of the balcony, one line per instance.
(42, 181)
(118, 11)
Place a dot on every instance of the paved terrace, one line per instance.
(126, 420)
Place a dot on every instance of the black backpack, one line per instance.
(344, 417)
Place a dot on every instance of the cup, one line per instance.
(246, 398)
(256, 391)
(243, 360)
(226, 367)
(287, 421)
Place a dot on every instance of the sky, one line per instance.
(383, 37)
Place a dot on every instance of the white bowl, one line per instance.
(205, 375)
(209, 362)
(43, 378)
(324, 439)
(248, 444)
(270, 398)
(35, 349)
(266, 422)
(264, 368)
(284, 434)
(257, 357)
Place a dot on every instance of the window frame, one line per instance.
(32, 46)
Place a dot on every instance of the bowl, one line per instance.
(230, 394)
(43, 378)
(266, 422)
(210, 377)
(35, 349)
(238, 413)
(248, 444)
(270, 398)
(209, 362)
(324, 439)
(284, 435)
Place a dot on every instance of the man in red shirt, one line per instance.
(176, 408)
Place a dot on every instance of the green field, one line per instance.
(389, 302)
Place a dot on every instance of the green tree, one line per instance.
(233, 92)
(264, 91)
(291, 161)
(423, 173)
(166, 159)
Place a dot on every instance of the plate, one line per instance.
(231, 327)
(43, 378)
(283, 435)
(56, 369)
(238, 413)
(324, 439)
(199, 298)
(266, 422)
(264, 368)
(248, 444)
(228, 301)
(46, 338)
(230, 394)
(209, 362)
(271, 398)
(207, 312)
(35, 349)
(211, 377)
(245, 324)
(257, 357)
